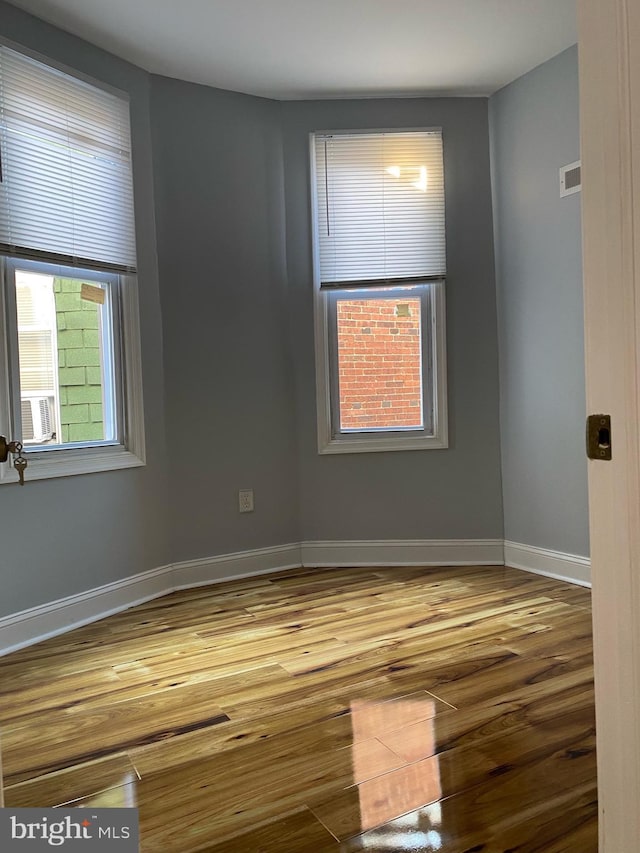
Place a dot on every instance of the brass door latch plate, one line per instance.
(599, 437)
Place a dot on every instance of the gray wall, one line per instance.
(67, 535)
(228, 367)
(229, 391)
(439, 494)
(534, 131)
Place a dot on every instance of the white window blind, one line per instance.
(380, 206)
(36, 314)
(66, 192)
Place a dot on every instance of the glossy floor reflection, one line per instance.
(357, 710)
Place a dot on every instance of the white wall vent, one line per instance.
(571, 178)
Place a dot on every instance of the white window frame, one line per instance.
(126, 451)
(434, 385)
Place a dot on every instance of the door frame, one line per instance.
(609, 50)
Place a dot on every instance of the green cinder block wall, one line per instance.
(79, 373)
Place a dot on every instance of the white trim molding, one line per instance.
(551, 564)
(72, 459)
(57, 617)
(242, 564)
(432, 297)
(403, 552)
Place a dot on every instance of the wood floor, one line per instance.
(321, 711)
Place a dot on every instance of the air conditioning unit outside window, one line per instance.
(37, 419)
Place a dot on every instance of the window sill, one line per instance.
(67, 463)
(382, 444)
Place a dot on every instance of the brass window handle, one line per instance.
(15, 447)
(7, 447)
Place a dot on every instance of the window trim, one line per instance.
(422, 292)
(82, 458)
(383, 440)
(90, 457)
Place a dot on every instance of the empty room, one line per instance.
(299, 524)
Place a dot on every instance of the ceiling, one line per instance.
(326, 48)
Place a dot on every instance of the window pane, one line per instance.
(66, 363)
(380, 363)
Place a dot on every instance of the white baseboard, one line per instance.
(58, 617)
(403, 552)
(243, 564)
(551, 564)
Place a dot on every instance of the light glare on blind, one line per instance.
(380, 206)
(66, 190)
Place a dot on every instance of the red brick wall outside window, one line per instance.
(379, 363)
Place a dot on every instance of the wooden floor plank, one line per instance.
(80, 780)
(379, 800)
(454, 706)
(563, 823)
(300, 832)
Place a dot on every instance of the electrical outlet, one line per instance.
(245, 500)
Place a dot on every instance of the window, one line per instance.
(70, 360)
(379, 271)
